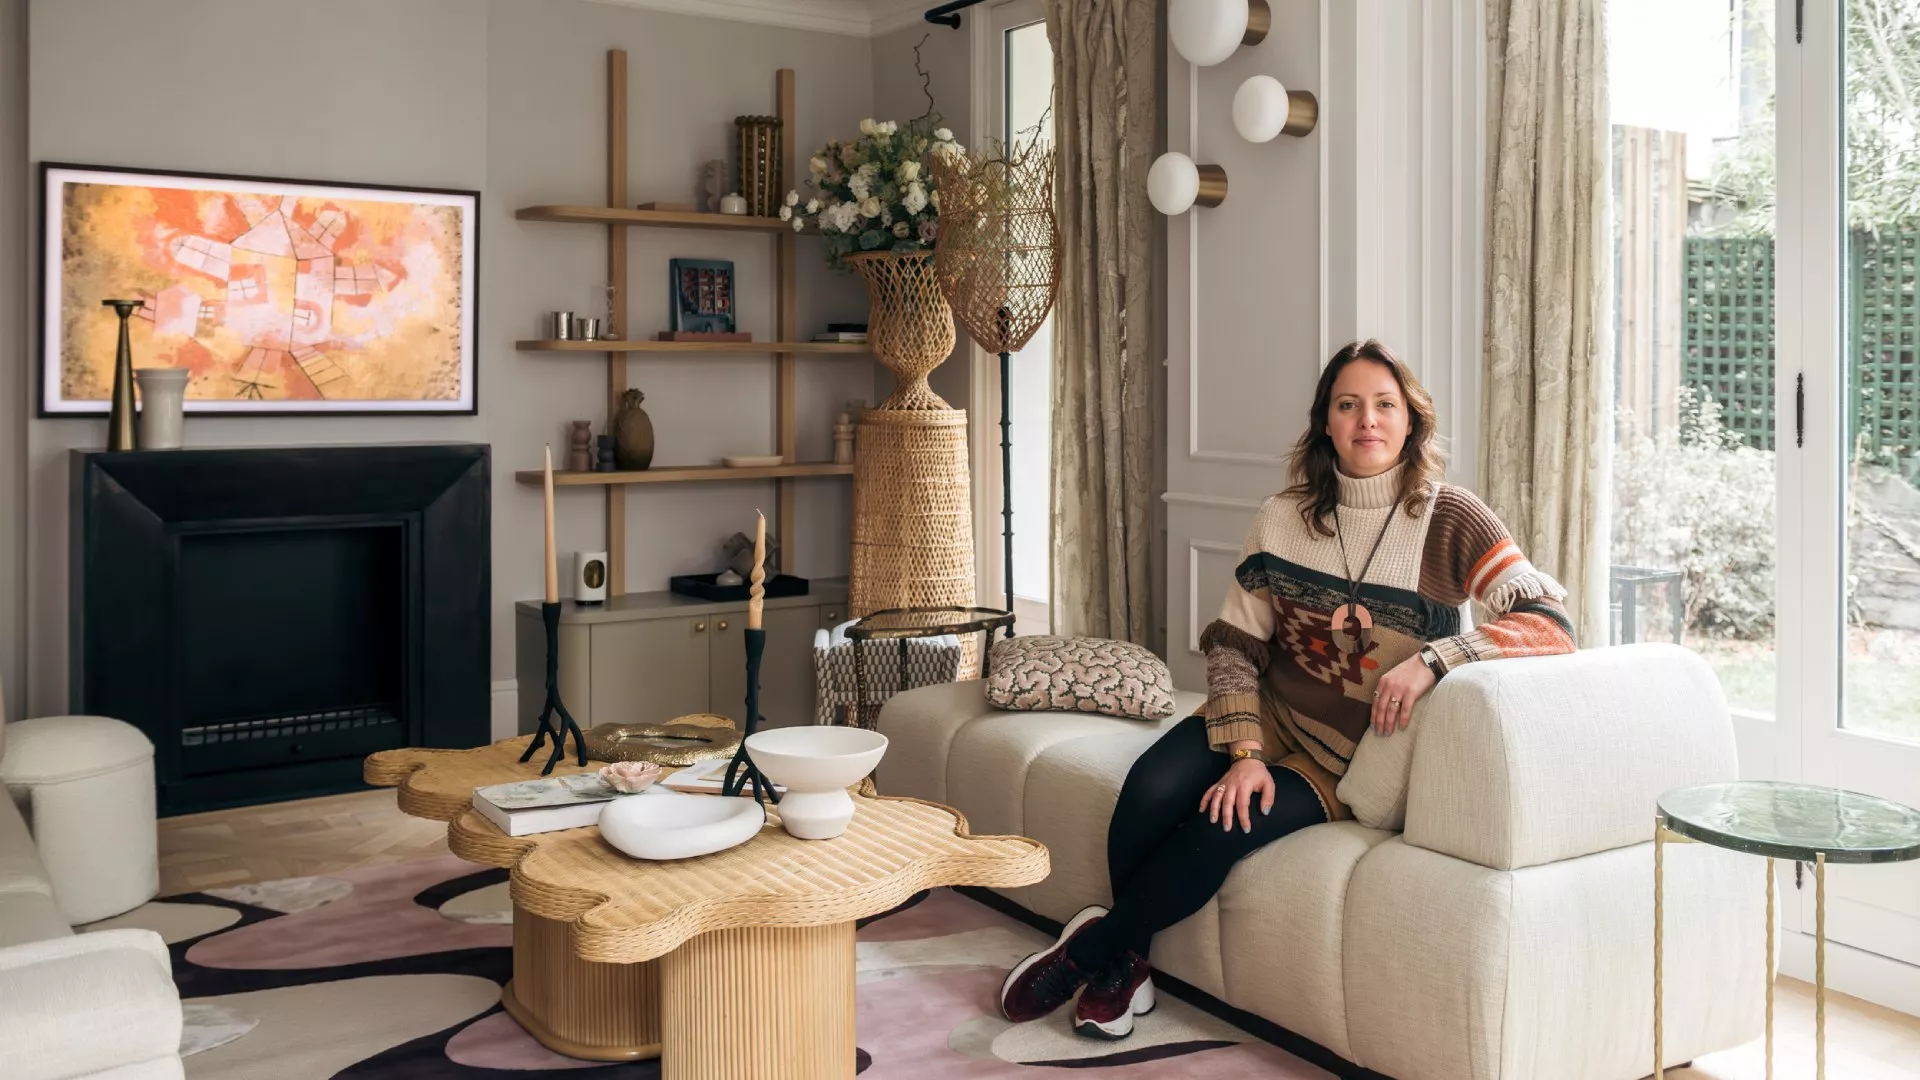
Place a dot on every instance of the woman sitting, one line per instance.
(1345, 610)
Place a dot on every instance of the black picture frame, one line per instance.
(55, 175)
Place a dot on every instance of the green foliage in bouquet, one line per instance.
(876, 192)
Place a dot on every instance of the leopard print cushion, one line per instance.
(1059, 674)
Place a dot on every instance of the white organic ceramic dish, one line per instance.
(816, 765)
(664, 824)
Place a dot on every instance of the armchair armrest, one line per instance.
(1528, 761)
(74, 1006)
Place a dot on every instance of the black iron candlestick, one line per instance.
(742, 773)
(550, 615)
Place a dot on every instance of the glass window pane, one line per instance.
(1880, 688)
(1029, 97)
(1690, 84)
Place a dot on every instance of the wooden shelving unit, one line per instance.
(617, 219)
(670, 474)
(741, 348)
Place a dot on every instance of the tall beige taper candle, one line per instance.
(553, 569)
(756, 593)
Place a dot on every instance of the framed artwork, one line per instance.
(702, 295)
(279, 297)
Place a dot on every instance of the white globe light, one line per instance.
(1206, 31)
(1260, 109)
(1173, 183)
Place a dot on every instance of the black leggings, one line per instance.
(1165, 859)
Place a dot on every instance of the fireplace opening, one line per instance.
(293, 644)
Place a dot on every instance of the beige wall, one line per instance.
(505, 97)
(14, 256)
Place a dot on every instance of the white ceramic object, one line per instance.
(1206, 32)
(162, 404)
(735, 204)
(816, 765)
(748, 461)
(664, 824)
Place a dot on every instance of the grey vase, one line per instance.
(632, 434)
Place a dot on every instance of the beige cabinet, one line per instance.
(649, 657)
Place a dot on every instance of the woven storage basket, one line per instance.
(912, 516)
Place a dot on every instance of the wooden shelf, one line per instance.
(669, 474)
(664, 219)
(749, 347)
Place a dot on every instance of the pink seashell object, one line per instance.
(630, 776)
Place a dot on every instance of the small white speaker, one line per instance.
(589, 577)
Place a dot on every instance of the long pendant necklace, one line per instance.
(1352, 628)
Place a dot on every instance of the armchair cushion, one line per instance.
(77, 1006)
(1532, 760)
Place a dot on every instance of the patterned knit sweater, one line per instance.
(1273, 672)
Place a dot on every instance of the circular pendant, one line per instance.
(1352, 628)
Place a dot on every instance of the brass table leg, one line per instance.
(1820, 966)
(1659, 860)
(759, 1003)
(1769, 968)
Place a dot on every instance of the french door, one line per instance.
(1766, 209)
(1849, 317)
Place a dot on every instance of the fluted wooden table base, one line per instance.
(600, 1012)
(760, 1003)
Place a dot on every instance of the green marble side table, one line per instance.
(1780, 821)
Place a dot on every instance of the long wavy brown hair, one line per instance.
(1316, 464)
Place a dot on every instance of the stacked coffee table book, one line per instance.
(639, 919)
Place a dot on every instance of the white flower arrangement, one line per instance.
(876, 192)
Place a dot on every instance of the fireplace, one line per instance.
(270, 616)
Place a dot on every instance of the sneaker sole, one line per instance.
(1143, 1003)
(1086, 915)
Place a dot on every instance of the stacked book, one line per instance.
(844, 333)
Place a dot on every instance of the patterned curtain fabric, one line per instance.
(1547, 391)
(1104, 378)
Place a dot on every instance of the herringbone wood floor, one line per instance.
(318, 836)
(291, 839)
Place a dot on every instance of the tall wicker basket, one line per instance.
(912, 492)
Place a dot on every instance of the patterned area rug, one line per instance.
(395, 972)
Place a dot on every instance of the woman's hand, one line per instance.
(1234, 794)
(1396, 692)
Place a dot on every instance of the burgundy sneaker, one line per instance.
(1046, 980)
(1114, 997)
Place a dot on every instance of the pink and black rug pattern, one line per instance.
(395, 972)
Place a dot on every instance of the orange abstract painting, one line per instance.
(277, 296)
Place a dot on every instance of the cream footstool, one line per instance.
(85, 786)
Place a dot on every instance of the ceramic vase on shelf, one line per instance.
(579, 443)
(163, 394)
(909, 326)
(633, 434)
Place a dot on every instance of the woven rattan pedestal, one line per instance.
(745, 956)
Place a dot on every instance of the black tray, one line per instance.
(702, 586)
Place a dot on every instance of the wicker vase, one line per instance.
(909, 326)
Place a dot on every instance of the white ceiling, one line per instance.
(856, 18)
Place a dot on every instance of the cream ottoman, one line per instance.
(85, 786)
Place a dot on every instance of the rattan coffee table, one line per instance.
(736, 965)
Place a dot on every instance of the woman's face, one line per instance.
(1367, 419)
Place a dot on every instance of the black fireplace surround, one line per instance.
(268, 617)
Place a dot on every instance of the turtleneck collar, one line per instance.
(1373, 493)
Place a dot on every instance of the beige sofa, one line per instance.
(100, 1004)
(1505, 934)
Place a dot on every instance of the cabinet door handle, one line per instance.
(699, 628)
(832, 616)
(723, 624)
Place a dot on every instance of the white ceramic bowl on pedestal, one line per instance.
(816, 765)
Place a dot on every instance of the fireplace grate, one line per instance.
(280, 727)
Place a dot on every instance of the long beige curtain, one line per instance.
(1545, 399)
(1104, 378)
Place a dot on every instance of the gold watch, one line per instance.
(1243, 753)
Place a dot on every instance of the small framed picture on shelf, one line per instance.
(701, 298)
